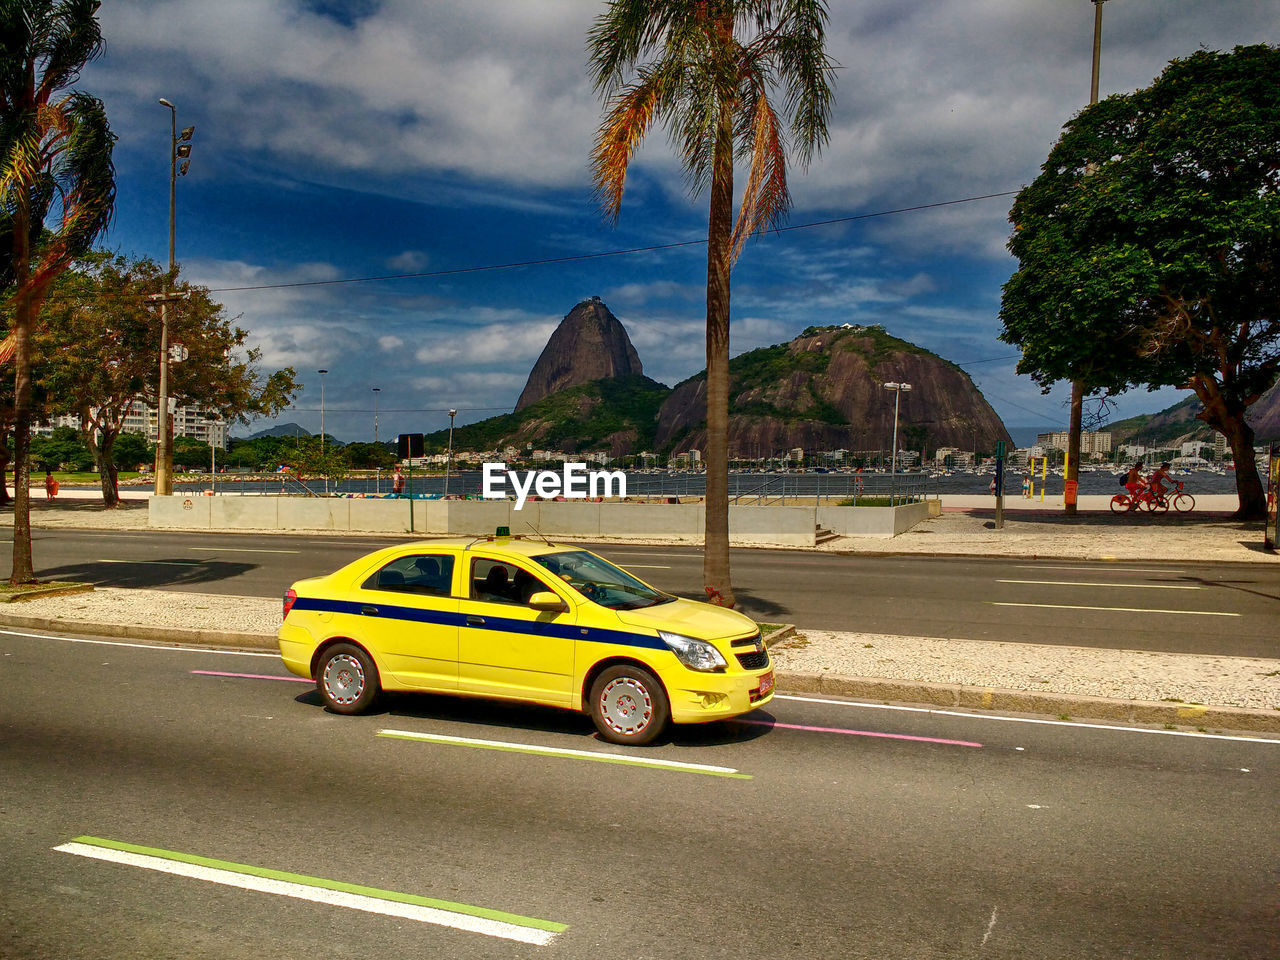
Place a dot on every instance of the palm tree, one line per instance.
(712, 69)
(55, 164)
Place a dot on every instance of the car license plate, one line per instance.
(766, 684)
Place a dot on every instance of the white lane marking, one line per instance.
(1096, 569)
(1072, 606)
(555, 751)
(648, 566)
(1127, 586)
(299, 891)
(1034, 720)
(141, 646)
(238, 550)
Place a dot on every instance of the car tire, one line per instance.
(629, 705)
(347, 679)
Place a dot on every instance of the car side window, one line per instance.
(430, 574)
(496, 582)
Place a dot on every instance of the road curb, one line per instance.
(176, 635)
(945, 695)
(1068, 706)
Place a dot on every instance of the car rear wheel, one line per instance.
(629, 705)
(347, 679)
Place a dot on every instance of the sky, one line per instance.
(433, 145)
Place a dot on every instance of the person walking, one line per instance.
(397, 484)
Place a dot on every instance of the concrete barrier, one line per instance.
(791, 526)
(883, 522)
(244, 513)
(785, 526)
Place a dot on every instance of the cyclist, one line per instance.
(1134, 483)
(1156, 481)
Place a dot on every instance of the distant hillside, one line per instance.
(617, 414)
(825, 390)
(281, 430)
(1179, 422)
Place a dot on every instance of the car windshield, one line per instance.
(600, 581)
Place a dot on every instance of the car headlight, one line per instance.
(694, 654)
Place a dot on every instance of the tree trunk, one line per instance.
(22, 570)
(715, 551)
(106, 467)
(1228, 418)
(5, 499)
(1249, 488)
(1074, 423)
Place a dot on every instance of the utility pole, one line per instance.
(1071, 475)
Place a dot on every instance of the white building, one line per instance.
(190, 422)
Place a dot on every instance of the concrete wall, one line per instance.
(782, 526)
(872, 521)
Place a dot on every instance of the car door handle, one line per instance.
(369, 610)
(475, 621)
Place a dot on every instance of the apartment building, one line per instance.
(192, 422)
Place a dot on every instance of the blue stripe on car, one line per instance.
(447, 619)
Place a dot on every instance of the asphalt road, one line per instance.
(1184, 607)
(850, 831)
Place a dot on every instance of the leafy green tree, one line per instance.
(307, 459)
(715, 69)
(102, 363)
(55, 164)
(1148, 246)
(65, 449)
(131, 450)
(369, 456)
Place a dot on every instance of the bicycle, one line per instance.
(1147, 499)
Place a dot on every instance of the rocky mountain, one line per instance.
(825, 390)
(590, 344)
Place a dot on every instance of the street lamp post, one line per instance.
(326, 473)
(179, 148)
(448, 465)
(377, 469)
(898, 389)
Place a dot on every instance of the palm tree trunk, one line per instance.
(22, 570)
(715, 560)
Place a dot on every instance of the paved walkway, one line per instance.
(1183, 691)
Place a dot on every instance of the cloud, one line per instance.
(411, 261)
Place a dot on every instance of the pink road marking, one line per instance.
(248, 676)
(860, 733)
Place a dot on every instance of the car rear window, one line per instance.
(430, 574)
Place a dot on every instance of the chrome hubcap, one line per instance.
(343, 679)
(626, 706)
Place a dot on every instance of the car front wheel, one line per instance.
(347, 679)
(629, 705)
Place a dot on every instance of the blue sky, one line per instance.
(341, 140)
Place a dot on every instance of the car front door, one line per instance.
(415, 614)
(506, 648)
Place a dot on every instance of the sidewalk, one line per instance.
(1184, 691)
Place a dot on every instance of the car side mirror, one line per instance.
(546, 600)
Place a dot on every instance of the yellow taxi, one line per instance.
(527, 620)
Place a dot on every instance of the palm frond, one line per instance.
(766, 198)
(633, 111)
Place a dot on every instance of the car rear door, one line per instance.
(415, 618)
